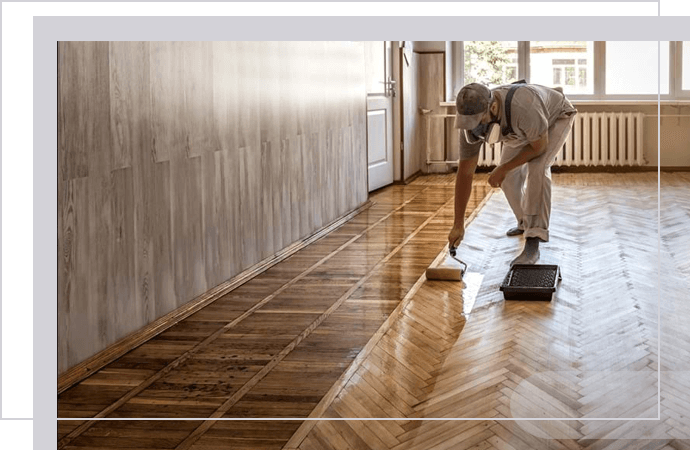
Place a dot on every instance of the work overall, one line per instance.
(528, 187)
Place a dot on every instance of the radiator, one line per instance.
(597, 139)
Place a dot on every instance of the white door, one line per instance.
(380, 92)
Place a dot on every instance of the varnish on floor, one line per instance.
(363, 335)
(274, 346)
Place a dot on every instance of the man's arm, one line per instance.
(528, 153)
(463, 189)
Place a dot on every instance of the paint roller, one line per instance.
(449, 268)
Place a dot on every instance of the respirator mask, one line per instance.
(484, 132)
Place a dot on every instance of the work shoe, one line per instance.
(515, 231)
(530, 253)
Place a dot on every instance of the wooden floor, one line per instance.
(274, 346)
(348, 328)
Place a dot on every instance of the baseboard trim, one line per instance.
(675, 168)
(604, 169)
(413, 177)
(91, 365)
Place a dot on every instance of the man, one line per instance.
(533, 123)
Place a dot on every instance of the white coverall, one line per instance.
(535, 110)
(528, 187)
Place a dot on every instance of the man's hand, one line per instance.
(497, 176)
(528, 153)
(456, 235)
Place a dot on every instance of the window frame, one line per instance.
(599, 76)
(677, 70)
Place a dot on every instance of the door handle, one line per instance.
(389, 86)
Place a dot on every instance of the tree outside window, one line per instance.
(490, 62)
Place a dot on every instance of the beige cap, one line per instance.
(472, 102)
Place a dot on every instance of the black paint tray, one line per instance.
(531, 282)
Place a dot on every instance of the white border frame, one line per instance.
(49, 29)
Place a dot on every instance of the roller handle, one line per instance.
(453, 251)
(452, 248)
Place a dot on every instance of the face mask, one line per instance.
(486, 132)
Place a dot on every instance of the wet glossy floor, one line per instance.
(274, 346)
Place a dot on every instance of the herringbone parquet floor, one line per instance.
(591, 357)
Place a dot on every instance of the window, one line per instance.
(586, 70)
(490, 62)
(632, 67)
(568, 64)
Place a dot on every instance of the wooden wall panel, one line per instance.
(167, 100)
(130, 125)
(226, 97)
(199, 118)
(160, 279)
(84, 82)
(226, 94)
(66, 255)
(129, 100)
(74, 299)
(266, 190)
(211, 205)
(186, 230)
(120, 278)
(430, 86)
(184, 163)
(286, 211)
(307, 194)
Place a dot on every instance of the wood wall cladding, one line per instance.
(431, 88)
(423, 88)
(181, 164)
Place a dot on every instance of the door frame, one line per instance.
(397, 47)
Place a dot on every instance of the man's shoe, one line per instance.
(514, 232)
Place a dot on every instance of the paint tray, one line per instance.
(531, 282)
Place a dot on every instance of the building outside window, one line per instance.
(570, 72)
(566, 64)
